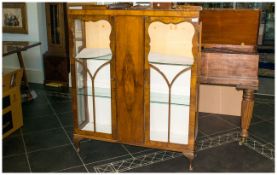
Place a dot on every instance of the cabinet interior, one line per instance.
(93, 75)
(170, 60)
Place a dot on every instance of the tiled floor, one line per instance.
(44, 144)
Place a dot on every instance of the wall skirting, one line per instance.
(33, 75)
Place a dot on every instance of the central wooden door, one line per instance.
(129, 67)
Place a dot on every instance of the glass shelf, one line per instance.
(95, 53)
(99, 92)
(158, 58)
(175, 137)
(175, 99)
(154, 96)
(100, 127)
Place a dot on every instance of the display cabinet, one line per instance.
(135, 76)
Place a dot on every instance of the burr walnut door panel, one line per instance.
(129, 75)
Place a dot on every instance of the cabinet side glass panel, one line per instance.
(93, 85)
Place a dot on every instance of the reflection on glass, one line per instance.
(78, 36)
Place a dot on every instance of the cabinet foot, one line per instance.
(190, 157)
(76, 141)
(242, 140)
(247, 106)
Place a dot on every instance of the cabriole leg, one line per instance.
(246, 113)
(190, 156)
(76, 141)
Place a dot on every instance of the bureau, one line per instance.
(229, 55)
(135, 76)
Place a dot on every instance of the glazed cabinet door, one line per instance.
(92, 74)
(171, 58)
(130, 78)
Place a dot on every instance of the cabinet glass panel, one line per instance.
(170, 75)
(93, 56)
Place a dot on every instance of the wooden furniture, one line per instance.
(12, 110)
(229, 55)
(56, 59)
(11, 47)
(162, 5)
(133, 84)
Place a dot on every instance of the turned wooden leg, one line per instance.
(76, 141)
(247, 106)
(24, 76)
(190, 156)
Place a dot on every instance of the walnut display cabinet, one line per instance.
(135, 76)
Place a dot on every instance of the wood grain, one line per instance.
(221, 26)
(246, 111)
(229, 69)
(130, 78)
(192, 12)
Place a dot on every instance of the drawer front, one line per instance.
(6, 101)
(222, 68)
(7, 122)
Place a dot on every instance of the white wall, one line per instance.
(33, 58)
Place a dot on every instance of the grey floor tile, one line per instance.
(203, 114)
(40, 124)
(15, 164)
(255, 119)
(266, 85)
(36, 110)
(54, 159)
(58, 97)
(91, 166)
(47, 139)
(94, 150)
(36, 86)
(213, 124)
(226, 158)
(135, 149)
(79, 169)
(263, 111)
(179, 164)
(15, 133)
(62, 107)
(200, 135)
(264, 131)
(13, 146)
(231, 158)
(236, 120)
(66, 118)
(69, 131)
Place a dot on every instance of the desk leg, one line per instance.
(246, 112)
(24, 77)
